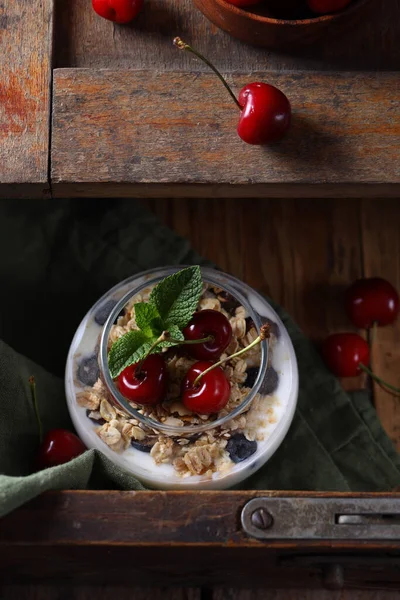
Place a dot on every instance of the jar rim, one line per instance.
(209, 275)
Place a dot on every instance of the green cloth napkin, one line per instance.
(56, 260)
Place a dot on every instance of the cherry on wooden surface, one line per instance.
(265, 116)
(119, 11)
(372, 300)
(344, 352)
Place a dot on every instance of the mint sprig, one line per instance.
(177, 296)
(170, 307)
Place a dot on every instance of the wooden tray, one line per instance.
(159, 537)
(131, 115)
(192, 538)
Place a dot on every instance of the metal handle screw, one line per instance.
(261, 519)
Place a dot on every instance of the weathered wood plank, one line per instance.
(85, 40)
(25, 75)
(177, 519)
(381, 237)
(174, 538)
(178, 130)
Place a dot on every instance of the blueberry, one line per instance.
(271, 382)
(252, 373)
(97, 421)
(144, 446)
(88, 370)
(104, 311)
(240, 448)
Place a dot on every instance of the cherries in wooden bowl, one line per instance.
(284, 23)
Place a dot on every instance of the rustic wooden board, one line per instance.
(154, 133)
(25, 75)
(84, 40)
(381, 229)
(141, 537)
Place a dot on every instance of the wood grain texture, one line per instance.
(177, 519)
(84, 40)
(381, 242)
(25, 75)
(179, 129)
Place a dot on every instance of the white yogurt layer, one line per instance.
(267, 421)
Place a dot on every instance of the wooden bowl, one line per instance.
(259, 26)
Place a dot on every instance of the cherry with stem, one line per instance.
(265, 111)
(348, 354)
(264, 335)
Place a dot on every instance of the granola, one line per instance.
(195, 454)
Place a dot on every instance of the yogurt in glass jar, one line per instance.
(167, 446)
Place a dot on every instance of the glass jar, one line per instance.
(87, 361)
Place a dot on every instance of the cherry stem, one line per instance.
(158, 341)
(165, 336)
(394, 394)
(32, 385)
(378, 379)
(209, 338)
(372, 335)
(264, 335)
(183, 46)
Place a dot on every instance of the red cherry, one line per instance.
(208, 323)
(323, 7)
(266, 114)
(212, 392)
(243, 3)
(119, 11)
(343, 353)
(150, 386)
(58, 447)
(371, 300)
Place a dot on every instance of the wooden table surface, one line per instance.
(303, 253)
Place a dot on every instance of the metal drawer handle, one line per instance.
(322, 518)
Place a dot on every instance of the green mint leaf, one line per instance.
(127, 350)
(176, 297)
(176, 334)
(148, 319)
